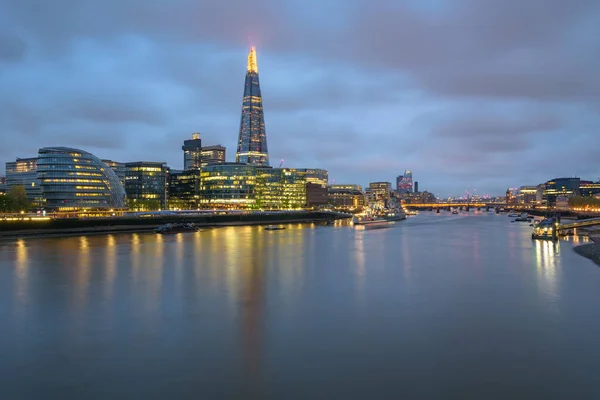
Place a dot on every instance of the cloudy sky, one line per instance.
(468, 94)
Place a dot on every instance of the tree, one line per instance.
(5, 203)
(17, 197)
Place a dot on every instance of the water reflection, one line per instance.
(547, 264)
(111, 265)
(21, 274)
(82, 273)
(359, 256)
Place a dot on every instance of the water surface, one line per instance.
(439, 306)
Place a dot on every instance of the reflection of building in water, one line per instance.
(253, 292)
(546, 253)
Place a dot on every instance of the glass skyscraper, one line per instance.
(252, 142)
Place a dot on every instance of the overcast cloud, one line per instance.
(468, 94)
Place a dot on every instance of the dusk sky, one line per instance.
(467, 94)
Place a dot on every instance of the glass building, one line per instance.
(184, 190)
(23, 172)
(252, 141)
(192, 152)
(228, 186)
(280, 188)
(73, 179)
(146, 185)
(212, 155)
(404, 183)
(119, 169)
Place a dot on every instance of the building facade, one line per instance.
(560, 187)
(252, 140)
(73, 179)
(146, 185)
(527, 195)
(212, 155)
(380, 191)
(346, 197)
(404, 183)
(192, 152)
(23, 172)
(184, 190)
(228, 186)
(119, 169)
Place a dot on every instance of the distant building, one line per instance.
(192, 152)
(345, 187)
(119, 169)
(589, 188)
(511, 196)
(73, 179)
(316, 195)
(23, 172)
(184, 189)
(346, 197)
(404, 183)
(212, 155)
(146, 185)
(380, 192)
(252, 140)
(526, 195)
(416, 187)
(564, 187)
(2, 185)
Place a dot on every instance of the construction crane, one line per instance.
(281, 163)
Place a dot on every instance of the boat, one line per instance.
(411, 212)
(513, 214)
(274, 228)
(372, 223)
(394, 215)
(454, 211)
(543, 230)
(176, 228)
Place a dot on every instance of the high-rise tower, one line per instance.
(252, 142)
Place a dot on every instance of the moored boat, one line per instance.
(176, 228)
(274, 228)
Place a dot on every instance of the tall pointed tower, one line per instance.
(252, 142)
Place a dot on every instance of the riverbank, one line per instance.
(590, 251)
(77, 227)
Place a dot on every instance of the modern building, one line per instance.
(23, 172)
(511, 196)
(252, 141)
(337, 186)
(73, 179)
(184, 189)
(2, 185)
(526, 195)
(589, 188)
(380, 191)
(416, 187)
(119, 169)
(404, 183)
(192, 152)
(317, 176)
(146, 185)
(212, 155)
(564, 187)
(228, 186)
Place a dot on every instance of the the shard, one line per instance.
(252, 142)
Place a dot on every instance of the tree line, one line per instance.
(15, 200)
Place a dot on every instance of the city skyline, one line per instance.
(481, 100)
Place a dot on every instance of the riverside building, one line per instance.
(146, 185)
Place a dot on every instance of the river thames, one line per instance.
(438, 306)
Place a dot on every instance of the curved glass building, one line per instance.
(73, 179)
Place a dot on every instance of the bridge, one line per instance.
(581, 223)
(458, 205)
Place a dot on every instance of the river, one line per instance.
(438, 306)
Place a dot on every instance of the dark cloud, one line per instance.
(462, 92)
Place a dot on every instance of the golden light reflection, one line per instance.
(359, 256)
(21, 274)
(135, 254)
(546, 253)
(82, 273)
(111, 265)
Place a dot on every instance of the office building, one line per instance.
(119, 169)
(404, 183)
(252, 140)
(212, 155)
(526, 195)
(346, 197)
(563, 187)
(73, 179)
(23, 172)
(228, 186)
(380, 191)
(192, 152)
(416, 187)
(184, 190)
(146, 185)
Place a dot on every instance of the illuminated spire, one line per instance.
(252, 64)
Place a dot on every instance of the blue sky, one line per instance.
(468, 94)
